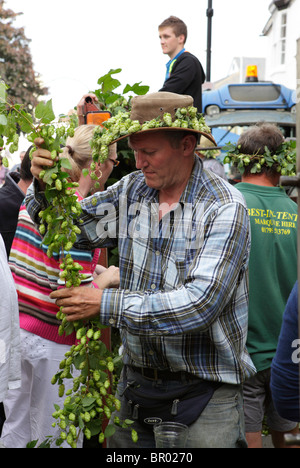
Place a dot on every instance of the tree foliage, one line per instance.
(16, 66)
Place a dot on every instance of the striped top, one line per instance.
(183, 297)
(36, 276)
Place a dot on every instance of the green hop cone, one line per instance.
(58, 185)
(62, 364)
(80, 332)
(97, 335)
(62, 424)
(195, 123)
(51, 130)
(73, 431)
(13, 148)
(70, 132)
(90, 333)
(134, 435)
(54, 380)
(117, 404)
(42, 229)
(68, 246)
(110, 366)
(192, 111)
(44, 132)
(33, 149)
(167, 118)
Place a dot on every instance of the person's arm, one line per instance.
(81, 105)
(10, 346)
(110, 278)
(195, 305)
(285, 364)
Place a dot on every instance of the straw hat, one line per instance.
(206, 144)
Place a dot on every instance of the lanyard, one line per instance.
(171, 63)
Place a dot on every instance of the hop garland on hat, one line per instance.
(211, 153)
(284, 159)
(121, 125)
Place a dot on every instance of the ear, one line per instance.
(189, 144)
(181, 39)
(98, 170)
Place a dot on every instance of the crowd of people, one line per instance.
(200, 311)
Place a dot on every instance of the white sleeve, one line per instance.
(10, 352)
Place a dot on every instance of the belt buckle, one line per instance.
(155, 373)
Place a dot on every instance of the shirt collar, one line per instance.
(192, 187)
(168, 65)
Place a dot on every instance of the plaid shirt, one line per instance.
(183, 297)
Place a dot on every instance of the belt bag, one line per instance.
(150, 406)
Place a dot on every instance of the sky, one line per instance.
(74, 43)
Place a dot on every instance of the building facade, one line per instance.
(283, 31)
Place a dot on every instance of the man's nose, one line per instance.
(140, 161)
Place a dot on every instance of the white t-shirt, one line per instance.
(10, 352)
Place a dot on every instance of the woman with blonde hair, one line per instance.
(29, 409)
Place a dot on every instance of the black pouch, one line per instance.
(150, 406)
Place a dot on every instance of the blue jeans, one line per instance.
(221, 424)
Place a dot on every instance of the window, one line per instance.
(283, 38)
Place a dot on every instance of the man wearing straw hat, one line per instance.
(183, 240)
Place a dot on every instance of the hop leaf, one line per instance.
(44, 112)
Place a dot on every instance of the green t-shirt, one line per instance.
(272, 266)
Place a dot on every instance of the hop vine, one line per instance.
(91, 400)
(284, 159)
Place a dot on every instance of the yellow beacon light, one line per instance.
(251, 73)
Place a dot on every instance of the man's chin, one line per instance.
(151, 183)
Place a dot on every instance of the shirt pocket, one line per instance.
(174, 269)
